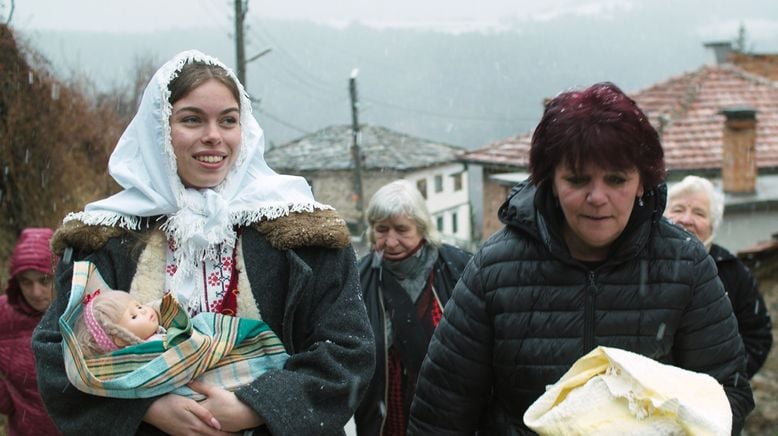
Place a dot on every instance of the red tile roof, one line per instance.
(685, 109)
(510, 153)
(765, 65)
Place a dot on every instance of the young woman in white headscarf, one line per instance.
(202, 216)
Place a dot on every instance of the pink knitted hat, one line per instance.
(32, 251)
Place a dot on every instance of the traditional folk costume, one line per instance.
(257, 246)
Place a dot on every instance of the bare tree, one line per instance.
(54, 141)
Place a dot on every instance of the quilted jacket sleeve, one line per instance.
(708, 340)
(456, 377)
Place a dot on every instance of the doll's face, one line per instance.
(140, 319)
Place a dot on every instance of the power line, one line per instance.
(298, 72)
(441, 115)
(350, 56)
(283, 122)
(211, 13)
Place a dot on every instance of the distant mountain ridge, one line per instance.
(466, 88)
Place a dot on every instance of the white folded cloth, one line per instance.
(616, 392)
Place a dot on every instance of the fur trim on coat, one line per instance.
(321, 228)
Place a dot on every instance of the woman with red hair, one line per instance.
(585, 260)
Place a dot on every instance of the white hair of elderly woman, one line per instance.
(397, 198)
(695, 184)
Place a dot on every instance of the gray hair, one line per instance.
(693, 185)
(401, 198)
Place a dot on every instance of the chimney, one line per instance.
(738, 166)
(721, 49)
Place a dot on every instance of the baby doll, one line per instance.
(114, 346)
(114, 319)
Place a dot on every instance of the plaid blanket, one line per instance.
(210, 347)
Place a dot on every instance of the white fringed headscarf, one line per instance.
(197, 220)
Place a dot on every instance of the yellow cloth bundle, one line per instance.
(616, 392)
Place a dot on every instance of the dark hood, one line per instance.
(16, 299)
(721, 254)
(533, 211)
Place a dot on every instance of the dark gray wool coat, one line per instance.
(303, 277)
(525, 311)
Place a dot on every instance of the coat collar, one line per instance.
(321, 228)
(533, 210)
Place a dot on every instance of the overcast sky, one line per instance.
(103, 15)
(760, 16)
(463, 93)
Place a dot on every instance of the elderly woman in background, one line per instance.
(698, 207)
(585, 259)
(406, 280)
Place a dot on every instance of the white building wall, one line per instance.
(448, 205)
(742, 228)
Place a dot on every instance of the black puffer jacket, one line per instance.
(371, 413)
(753, 321)
(525, 310)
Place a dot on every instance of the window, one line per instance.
(439, 222)
(421, 185)
(457, 181)
(438, 183)
(454, 223)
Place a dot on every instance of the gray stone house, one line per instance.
(324, 158)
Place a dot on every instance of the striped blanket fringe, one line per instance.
(212, 348)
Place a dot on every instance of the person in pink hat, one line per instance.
(27, 296)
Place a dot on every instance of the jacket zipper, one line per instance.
(591, 292)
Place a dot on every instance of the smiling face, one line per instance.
(139, 319)
(691, 210)
(397, 237)
(205, 132)
(596, 204)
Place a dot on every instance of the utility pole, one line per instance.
(10, 14)
(356, 155)
(241, 7)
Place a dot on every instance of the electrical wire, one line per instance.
(211, 14)
(299, 73)
(283, 122)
